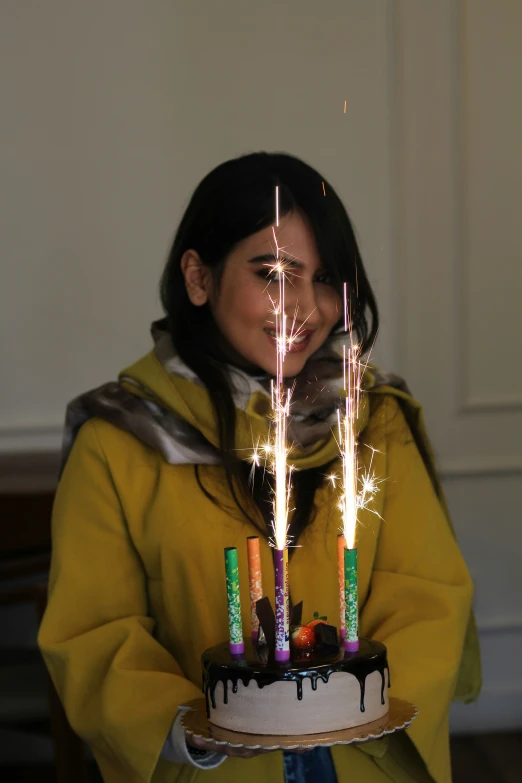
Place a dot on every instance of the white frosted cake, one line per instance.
(325, 690)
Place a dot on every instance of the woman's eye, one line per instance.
(324, 278)
(274, 276)
(270, 276)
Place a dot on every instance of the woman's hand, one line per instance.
(226, 750)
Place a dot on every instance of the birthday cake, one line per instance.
(318, 690)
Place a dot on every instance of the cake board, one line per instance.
(194, 720)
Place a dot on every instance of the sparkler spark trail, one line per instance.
(281, 408)
(275, 451)
(356, 491)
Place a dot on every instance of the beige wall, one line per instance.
(111, 113)
(114, 111)
(458, 187)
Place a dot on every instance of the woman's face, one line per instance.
(243, 306)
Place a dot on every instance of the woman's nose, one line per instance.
(301, 303)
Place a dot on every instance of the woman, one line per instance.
(157, 481)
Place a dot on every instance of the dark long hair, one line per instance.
(231, 203)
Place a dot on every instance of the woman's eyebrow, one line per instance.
(270, 258)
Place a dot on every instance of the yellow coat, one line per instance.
(137, 593)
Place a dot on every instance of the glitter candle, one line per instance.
(341, 548)
(255, 581)
(282, 613)
(351, 642)
(235, 626)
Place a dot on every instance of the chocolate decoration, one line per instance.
(297, 614)
(219, 666)
(266, 618)
(326, 637)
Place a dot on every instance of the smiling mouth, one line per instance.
(294, 344)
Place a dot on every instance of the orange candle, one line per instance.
(341, 546)
(255, 581)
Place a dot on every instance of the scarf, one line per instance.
(184, 430)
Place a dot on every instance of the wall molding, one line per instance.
(494, 624)
(467, 402)
(17, 425)
(507, 403)
(486, 468)
(30, 437)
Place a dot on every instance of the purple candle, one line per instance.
(282, 614)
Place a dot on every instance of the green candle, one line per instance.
(235, 626)
(350, 592)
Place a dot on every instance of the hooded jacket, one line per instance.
(137, 590)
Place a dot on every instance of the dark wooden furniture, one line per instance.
(25, 544)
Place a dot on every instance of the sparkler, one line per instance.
(281, 406)
(346, 426)
(277, 454)
(352, 499)
(276, 450)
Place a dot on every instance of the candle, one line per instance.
(235, 626)
(351, 642)
(255, 581)
(341, 547)
(282, 649)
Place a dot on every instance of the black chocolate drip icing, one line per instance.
(256, 664)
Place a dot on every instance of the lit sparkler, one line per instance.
(352, 498)
(281, 407)
(275, 452)
(356, 492)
